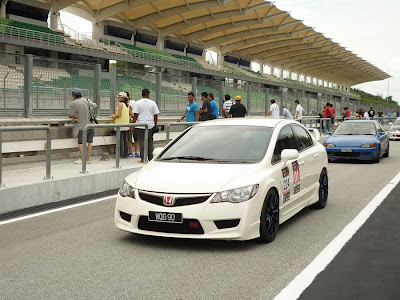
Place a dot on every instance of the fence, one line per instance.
(36, 86)
(28, 128)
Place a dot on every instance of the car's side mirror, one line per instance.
(157, 151)
(289, 154)
(329, 133)
(381, 133)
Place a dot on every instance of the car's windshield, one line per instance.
(220, 144)
(356, 128)
(397, 122)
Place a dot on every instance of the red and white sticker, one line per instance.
(296, 177)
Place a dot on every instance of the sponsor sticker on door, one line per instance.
(286, 184)
(296, 177)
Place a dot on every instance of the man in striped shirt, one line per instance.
(227, 105)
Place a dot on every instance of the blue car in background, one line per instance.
(358, 139)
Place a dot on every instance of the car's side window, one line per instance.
(304, 138)
(285, 140)
(379, 127)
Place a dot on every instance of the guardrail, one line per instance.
(117, 146)
(168, 128)
(27, 128)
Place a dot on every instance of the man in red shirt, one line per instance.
(327, 115)
(333, 117)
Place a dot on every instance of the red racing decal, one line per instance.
(296, 177)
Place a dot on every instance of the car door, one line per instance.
(383, 138)
(309, 164)
(285, 140)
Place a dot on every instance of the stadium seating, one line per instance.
(32, 31)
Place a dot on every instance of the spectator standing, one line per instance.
(299, 111)
(366, 115)
(327, 115)
(214, 107)
(238, 110)
(79, 109)
(371, 113)
(227, 105)
(192, 110)
(132, 138)
(121, 116)
(205, 110)
(273, 109)
(333, 112)
(286, 113)
(146, 111)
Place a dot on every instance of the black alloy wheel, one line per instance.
(323, 190)
(269, 219)
(378, 156)
(387, 152)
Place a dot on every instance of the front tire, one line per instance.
(323, 190)
(386, 153)
(378, 157)
(269, 219)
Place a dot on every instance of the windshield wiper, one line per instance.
(188, 157)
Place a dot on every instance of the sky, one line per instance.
(365, 27)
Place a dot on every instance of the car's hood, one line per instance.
(172, 177)
(351, 140)
(397, 127)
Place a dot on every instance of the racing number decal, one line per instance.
(296, 177)
(286, 184)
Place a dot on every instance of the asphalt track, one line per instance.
(78, 253)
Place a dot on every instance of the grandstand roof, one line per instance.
(253, 29)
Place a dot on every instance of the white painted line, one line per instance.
(295, 288)
(56, 210)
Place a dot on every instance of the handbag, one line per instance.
(155, 129)
(92, 116)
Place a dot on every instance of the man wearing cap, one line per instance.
(79, 109)
(238, 110)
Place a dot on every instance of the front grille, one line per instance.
(180, 200)
(188, 226)
(344, 154)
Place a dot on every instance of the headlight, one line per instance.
(127, 190)
(329, 145)
(368, 146)
(236, 195)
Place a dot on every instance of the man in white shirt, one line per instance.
(286, 113)
(299, 111)
(273, 110)
(145, 111)
(227, 105)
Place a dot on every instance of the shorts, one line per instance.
(90, 135)
(135, 136)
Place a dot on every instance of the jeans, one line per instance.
(327, 126)
(140, 133)
(123, 142)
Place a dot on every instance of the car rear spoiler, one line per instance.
(315, 133)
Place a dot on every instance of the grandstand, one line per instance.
(153, 37)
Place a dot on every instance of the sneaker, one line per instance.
(78, 162)
(88, 162)
(137, 154)
(139, 161)
(130, 155)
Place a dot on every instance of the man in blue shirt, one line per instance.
(214, 107)
(192, 110)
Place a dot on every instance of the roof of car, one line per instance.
(361, 121)
(257, 121)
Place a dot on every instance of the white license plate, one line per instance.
(347, 150)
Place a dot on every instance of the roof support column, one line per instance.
(3, 9)
(281, 73)
(160, 43)
(220, 59)
(96, 31)
(54, 15)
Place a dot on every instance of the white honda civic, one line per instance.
(236, 179)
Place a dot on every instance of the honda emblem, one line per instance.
(169, 200)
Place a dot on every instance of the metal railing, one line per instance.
(168, 128)
(27, 128)
(118, 139)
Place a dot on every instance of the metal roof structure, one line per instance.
(253, 29)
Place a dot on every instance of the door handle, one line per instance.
(301, 163)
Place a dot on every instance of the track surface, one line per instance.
(78, 254)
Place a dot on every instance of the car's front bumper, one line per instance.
(356, 153)
(136, 212)
(394, 135)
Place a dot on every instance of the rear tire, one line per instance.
(269, 219)
(322, 191)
